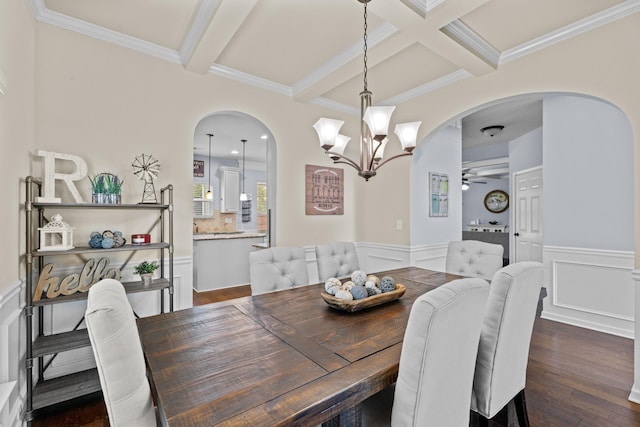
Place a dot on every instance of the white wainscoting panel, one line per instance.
(12, 350)
(634, 395)
(3, 83)
(312, 265)
(432, 257)
(590, 288)
(375, 257)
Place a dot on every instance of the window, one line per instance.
(261, 206)
(201, 206)
(261, 198)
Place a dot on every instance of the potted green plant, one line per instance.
(98, 189)
(113, 186)
(105, 188)
(145, 269)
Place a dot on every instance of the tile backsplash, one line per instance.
(219, 222)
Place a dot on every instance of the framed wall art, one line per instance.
(198, 168)
(324, 190)
(439, 194)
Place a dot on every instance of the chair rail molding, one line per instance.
(590, 288)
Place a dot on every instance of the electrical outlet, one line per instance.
(398, 224)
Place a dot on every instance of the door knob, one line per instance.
(516, 234)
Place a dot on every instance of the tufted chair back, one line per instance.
(337, 259)
(503, 353)
(277, 268)
(436, 362)
(472, 258)
(116, 346)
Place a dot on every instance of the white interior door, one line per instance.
(527, 236)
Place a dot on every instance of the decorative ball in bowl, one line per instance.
(361, 291)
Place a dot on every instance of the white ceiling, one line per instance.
(312, 51)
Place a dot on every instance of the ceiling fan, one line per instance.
(466, 182)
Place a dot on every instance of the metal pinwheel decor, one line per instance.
(146, 168)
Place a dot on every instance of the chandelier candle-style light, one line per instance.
(374, 126)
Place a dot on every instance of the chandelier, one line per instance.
(374, 126)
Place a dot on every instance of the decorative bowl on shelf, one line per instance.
(361, 304)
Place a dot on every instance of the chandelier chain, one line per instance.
(365, 45)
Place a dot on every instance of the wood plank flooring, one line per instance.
(576, 377)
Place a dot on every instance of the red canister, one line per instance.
(140, 239)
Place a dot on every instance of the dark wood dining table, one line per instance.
(280, 359)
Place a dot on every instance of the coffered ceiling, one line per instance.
(312, 51)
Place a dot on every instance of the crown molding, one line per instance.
(456, 30)
(42, 14)
(239, 76)
(422, 7)
(199, 25)
(612, 14)
(464, 35)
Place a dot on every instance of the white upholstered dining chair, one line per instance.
(337, 259)
(116, 346)
(277, 268)
(503, 352)
(437, 360)
(473, 258)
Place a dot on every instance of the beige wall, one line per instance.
(604, 63)
(108, 104)
(17, 43)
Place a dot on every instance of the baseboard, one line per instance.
(582, 323)
(634, 396)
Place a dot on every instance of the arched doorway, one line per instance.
(585, 148)
(235, 160)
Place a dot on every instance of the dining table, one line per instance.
(284, 358)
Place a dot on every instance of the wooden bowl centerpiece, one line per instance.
(361, 292)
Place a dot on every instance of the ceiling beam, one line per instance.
(428, 31)
(222, 26)
(348, 65)
(404, 27)
(485, 163)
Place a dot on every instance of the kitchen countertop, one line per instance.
(226, 235)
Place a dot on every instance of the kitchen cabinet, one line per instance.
(229, 190)
(222, 260)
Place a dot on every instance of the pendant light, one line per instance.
(243, 195)
(209, 194)
(374, 128)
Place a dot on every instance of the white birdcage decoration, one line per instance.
(57, 235)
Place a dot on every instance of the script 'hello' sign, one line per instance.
(91, 273)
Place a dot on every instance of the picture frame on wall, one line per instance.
(198, 168)
(324, 190)
(439, 194)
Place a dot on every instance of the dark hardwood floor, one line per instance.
(576, 377)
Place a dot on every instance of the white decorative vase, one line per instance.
(146, 278)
